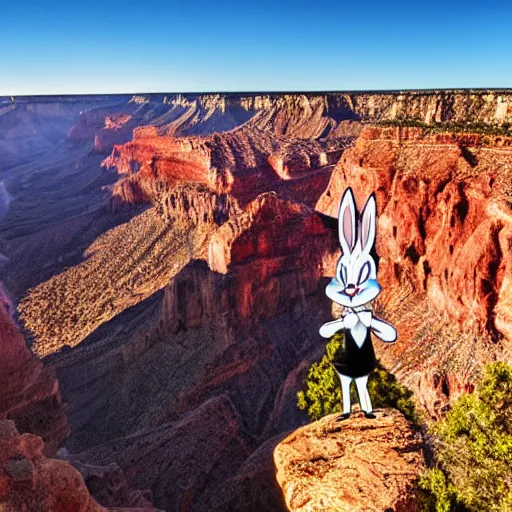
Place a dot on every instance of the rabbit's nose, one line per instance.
(350, 289)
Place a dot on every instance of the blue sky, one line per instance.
(111, 46)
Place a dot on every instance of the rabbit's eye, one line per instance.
(343, 275)
(364, 273)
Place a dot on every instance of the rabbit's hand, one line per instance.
(350, 320)
(365, 317)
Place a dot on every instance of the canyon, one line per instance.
(166, 258)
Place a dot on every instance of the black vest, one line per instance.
(352, 361)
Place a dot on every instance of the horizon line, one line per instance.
(263, 92)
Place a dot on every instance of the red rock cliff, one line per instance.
(370, 465)
(444, 238)
(275, 252)
(29, 392)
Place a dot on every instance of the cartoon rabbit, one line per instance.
(354, 287)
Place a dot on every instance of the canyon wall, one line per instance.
(444, 238)
(109, 120)
(29, 392)
(310, 115)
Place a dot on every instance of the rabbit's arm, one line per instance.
(383, 330)
(330, 328)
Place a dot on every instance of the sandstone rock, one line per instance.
(29, 392)
(354, 465)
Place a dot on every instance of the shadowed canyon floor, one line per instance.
(167, 258)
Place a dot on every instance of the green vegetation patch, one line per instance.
(322, 393)
(473, 449)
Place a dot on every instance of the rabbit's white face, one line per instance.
(355, 283)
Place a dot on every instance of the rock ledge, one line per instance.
(354, 465)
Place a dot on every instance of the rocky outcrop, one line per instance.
(358, 464)
(444, 232)
(30, 481)
(29, 392)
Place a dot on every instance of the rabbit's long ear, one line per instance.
(368, 224)
(347, 222)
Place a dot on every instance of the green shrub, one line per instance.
(473, 457)
(439, 494)
(322, 393)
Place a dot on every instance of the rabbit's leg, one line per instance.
(345, 391)
(364, 396)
